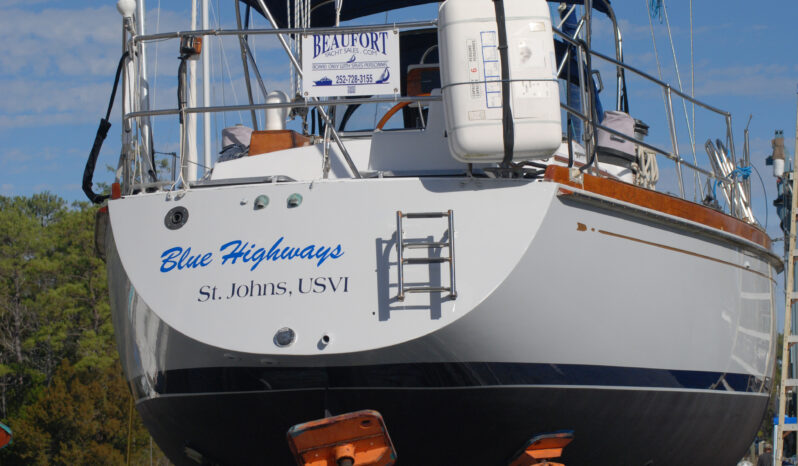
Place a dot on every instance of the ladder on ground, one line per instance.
(401, 245)
(790, 339)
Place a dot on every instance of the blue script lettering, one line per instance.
(248, 253)
(181, 259)
(277, 252)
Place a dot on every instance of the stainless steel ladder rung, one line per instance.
(401, 245)
(790, 382)
(425, 260)
(426, 214)
(408, 245)
(427, 289)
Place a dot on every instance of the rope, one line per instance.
(648, 169)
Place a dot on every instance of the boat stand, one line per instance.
(352, 439)
(360, 438)
(540, 449)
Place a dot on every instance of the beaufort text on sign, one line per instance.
(351, 63)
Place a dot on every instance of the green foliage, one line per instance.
(61, 387)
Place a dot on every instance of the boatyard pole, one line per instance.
(789, 338)
(794, 307)
(206, 89)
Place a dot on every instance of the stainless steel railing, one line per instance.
(135, 42)
(586, 115)
(735, 208)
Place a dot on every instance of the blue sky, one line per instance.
(58, 59)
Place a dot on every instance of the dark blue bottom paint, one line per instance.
(477, 421)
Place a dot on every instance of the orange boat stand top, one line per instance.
(360, 438)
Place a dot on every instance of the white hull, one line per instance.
(252, 301)
(634, 293)
(563, 293)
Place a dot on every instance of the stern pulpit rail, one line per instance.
(737, 207)
(591, 122)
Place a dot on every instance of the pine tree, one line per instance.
(61, 386)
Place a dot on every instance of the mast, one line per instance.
(190, 164)
(144, 98)
(206, 89)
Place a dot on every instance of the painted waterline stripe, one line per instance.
(446, 375)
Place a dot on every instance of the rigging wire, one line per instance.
(157, 44)
(222, 86)
(653, 38)
(692, 69)
(696, 179)
(219, 88)
(764, 194)
(223, 59)
(649, 7)
(377, 106)
(293, 21)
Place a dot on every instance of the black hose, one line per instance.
(591, 96)
(102, 133)
(246, 18)
(350, 109)
(508, 130)
(321, 121)
(570, 128)
(181, 97)
(625, 98)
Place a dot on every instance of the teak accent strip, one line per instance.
(660, 202)
(263, 142)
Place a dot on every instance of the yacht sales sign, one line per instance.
(350, 64)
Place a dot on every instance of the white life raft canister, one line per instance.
(468, 38)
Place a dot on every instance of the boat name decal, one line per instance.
(182, 258)
(252, 289)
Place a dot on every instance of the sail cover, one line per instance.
(324, 10)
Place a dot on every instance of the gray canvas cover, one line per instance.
(612, 144)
